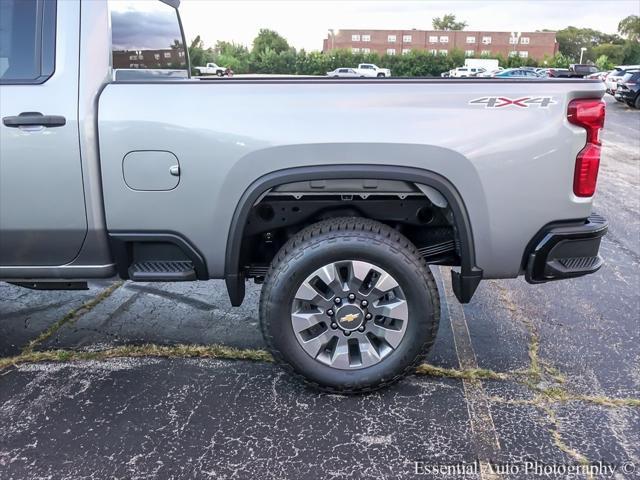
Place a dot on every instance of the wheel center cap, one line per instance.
(349, 317)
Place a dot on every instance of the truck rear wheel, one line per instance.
(380, 75)
(349, 305)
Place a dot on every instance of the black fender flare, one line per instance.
(464, 282)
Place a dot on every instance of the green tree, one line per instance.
(572, 39)
(603, 63)
(630, 27)
(198, 54)
(448, 22)
(631, 53)
(269, 40)
(230, 49)
(614, 53)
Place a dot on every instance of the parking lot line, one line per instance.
(485, 438)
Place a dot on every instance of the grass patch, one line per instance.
(71, 317)
(465, 374)
(136, 351)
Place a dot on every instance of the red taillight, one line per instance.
(586, 174)
(588, 114)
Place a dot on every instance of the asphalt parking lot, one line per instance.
(547, 374)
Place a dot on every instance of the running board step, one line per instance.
(575, 266)
(162, 271)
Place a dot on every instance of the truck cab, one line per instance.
(371, 70)
(211, 69)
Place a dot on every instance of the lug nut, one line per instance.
(337, 300)
(347, 333)
(364, 303)
(334, 325)
(352, 297)
(330, 312)
(368, 316)
(361, 328)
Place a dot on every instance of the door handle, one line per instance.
(34, 119)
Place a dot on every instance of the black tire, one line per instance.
(220, 73)
(381, 75)
(636, 103)
(342, 239)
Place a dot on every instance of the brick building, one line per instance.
(439, 42)
(164, 58)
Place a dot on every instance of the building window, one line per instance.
(355, 50)
(443, 52)
(391, 51)
(391, 38)
(471, 39)
(366, 50)
(433, 39)
(485, 53)
(355, 38)
(486, 40)
(433, 51)
(513, 54)
(181, 54)
(524, 40)
(167, 54)
(133, 57)
(406, 38)
(366, 38)
(444, 39)
(469, 53)
(513, 40)
(523, 54)
(406, 50)
(156, 56)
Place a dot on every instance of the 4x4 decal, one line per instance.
(524, 102)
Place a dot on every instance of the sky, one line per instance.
(304, 23)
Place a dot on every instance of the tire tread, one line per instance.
(366, 228)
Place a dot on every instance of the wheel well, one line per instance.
(248, 253)
(281, 212)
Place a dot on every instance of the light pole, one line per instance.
(582, 50)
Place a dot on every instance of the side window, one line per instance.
(146, 34)
(27, 40)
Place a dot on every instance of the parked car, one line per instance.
(337, 197)
(611, 81)
(491, 73)
(517, 73)
(344, 73)
(628, 90)
(465, 72)
(558, 73)
(597, 75)
(212, 69)
(581, 70)
(371, 70)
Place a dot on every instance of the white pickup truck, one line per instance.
(371, 70)
(212, 69)
(337, 194)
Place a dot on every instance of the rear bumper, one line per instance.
(566, 250)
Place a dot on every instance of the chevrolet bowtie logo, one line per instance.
(350, 317)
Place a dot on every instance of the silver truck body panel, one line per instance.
(42, 209)
(512, 166)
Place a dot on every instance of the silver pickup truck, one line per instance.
(337, 194)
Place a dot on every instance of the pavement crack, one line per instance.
(71, 317)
